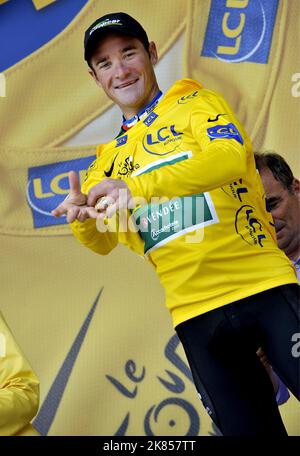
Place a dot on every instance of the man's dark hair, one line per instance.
(278, 167)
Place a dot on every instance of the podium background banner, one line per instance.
(95, 328)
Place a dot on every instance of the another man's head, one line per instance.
(283, 196)
(121, 61)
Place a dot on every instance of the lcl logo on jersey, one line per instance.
(163, 141)
(187, 98)
(150, 119)
(240, 30)
(228, 131)
(121, 141)
(249, 227)
(48, 185)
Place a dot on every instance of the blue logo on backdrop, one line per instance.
(240, 30)
(26, 25)
(48, 186)
(228, 131)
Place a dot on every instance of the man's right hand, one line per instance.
(266, 363)
(75, 205)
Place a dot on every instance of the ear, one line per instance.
(93, 74)
(153, 53)
(296, 187)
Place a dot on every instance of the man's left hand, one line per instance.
(109, 196)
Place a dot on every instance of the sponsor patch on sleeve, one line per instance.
(228, 131)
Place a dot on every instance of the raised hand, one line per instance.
(75, 205)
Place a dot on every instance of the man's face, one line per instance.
(124, 69)
(284, 207)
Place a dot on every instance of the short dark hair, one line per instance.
(278, 167)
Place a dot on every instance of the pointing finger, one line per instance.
(59, 210)
(74, 183)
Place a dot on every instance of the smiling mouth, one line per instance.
(126, 84)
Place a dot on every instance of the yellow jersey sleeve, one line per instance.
(19, 386)
(88, 235)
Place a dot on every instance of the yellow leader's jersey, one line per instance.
(211, 241)
(19, 387)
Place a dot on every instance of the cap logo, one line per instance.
(106, 23)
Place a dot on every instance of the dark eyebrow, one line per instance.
(125, 49)
(100, 60)
(273, 200)
(128, 48)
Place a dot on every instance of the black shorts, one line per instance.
(221, 350)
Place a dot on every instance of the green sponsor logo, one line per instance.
(160, 223)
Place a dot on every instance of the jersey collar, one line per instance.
(141, 114)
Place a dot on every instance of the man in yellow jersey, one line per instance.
(179, 185)
(19, 387)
